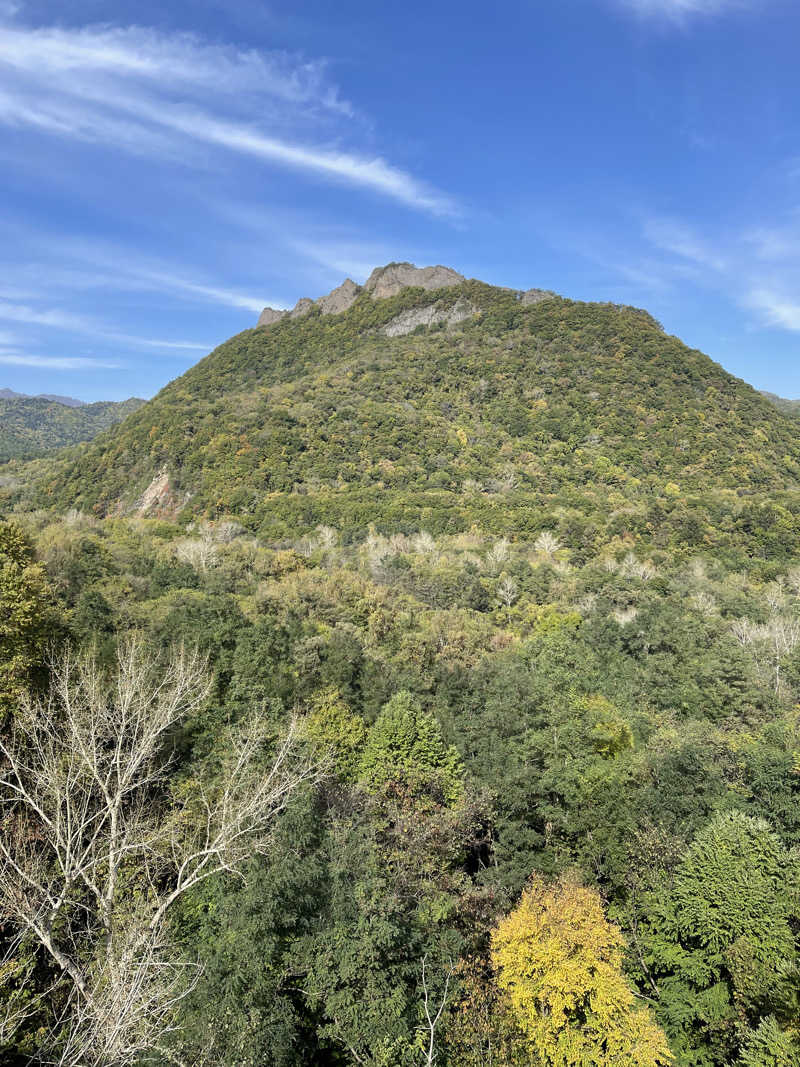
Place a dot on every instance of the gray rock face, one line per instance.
(302, 307)
(536, 296)
(335, 302)
(160, 498)
(407, 321)
(339, 299)
(270, 315)
(388, 281)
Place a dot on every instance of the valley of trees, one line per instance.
(34, 425)
(445, 711)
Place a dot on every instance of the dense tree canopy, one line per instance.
(526, 595)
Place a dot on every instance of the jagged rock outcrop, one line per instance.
(302, 307)
(340, 298)
(160, 500)
(407, 321)
(389, 280)
(270, 315)
(382, 283)
(333, 303)
(536, 296)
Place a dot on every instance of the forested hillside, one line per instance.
(587, 410)
(791, 407)
(32, 425)
(408, 699)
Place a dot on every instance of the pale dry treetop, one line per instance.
(327, 538)
(200, 553)
(704, 603)
(631, 567)
(497, 555)
(769, 644)
(424, 544)
(507, 591)
(547, 543)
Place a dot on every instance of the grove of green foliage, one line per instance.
(533, 757)
(531, 586)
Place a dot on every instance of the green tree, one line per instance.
(718, 940)
(405, 745)
(770, 1046)
(27, 616)
(334, 730)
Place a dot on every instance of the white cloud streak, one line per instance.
(681, 10)
(19, 359)
(671, 235)
(759, 268)
(137, 89)
(225, 297)
(56, 319)
(776, 309)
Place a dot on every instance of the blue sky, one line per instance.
(167, 170)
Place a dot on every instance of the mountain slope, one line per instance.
(32, 425)
(788, 407)
(440, 407)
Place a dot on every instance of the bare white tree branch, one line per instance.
(433, 1013)
(95, 849)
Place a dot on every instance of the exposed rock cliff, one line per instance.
(339, 299)
(389, 280)
(407, 321)
(270, 315)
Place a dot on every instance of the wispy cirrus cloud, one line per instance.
(775, 308)
(21, 359)
(139, 91)
(56, 318)
(759, 268)
(679, 239)
(77, 267)
(681, 10)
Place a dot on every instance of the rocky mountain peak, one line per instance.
(389, 280)
(382, 283)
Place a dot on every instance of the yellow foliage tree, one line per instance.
(559, 963)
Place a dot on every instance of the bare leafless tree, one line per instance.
(497, 555)
(96, 847)
(200, 552)
(769, 644)
(433, 1011)
(547, 544)
(507, 590)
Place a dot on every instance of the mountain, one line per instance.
(789, 407)
(425, 399)
(67, 401)
(496, 604)
(33, 425)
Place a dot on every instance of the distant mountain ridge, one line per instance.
(31, 426)
(442, 407)
(789, 407)
(67, 401)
